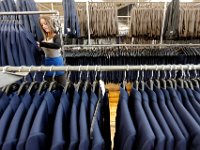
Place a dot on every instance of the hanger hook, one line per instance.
(43, 77)
(188, 71)
(87, 77)
(165, 74)
(95, 77)
(151, 74)
(195, 71)
(100, 72)
(142, 73)
(158, 77)
(54, 73)
(80, 75)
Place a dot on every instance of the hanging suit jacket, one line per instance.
(61, 124)
(74, 125)
(84, 122)
(145, 134)
(180, 141)
(125, 135)
(189, 122)
(175, 114)
(160, 138)
(16, 123)
(97, 141)
(7, 117)
(28, 121)
(157, 113)
(42, 128)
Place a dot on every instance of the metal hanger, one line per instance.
(77, 86)
(125, 79)
(174, 78)
(53, 83)
(189, 78)
(169, 81)
(194, 80)
(67, 84)
(34, 84)
(157, 81)
(44, 84)
(163, 81)
(95, 80)
(24, 85)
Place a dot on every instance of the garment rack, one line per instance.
(99, 68)
(133, 45)
(28, 12)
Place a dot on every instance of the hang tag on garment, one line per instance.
(7, 78)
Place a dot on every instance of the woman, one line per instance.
(51, 46)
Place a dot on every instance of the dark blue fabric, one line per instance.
(97, 141)
(84, 122)
(20, 54)
(14, 45)
(125, 134)
(187, 104)
(160, 138)
(7, 117)
(189, 122)
(28, 121)
(105, 118)
(70, 18)
(163, 124)
(74, 123)
(61, 124)
(42, 128)
(175, 114)
(4, 101)
(196, 93)
(16, 123)
(180, 141)
(145, 136)
(4, 57)
(191, 96)
(9, 52)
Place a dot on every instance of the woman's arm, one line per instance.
(55, 45)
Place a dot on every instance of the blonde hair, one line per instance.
(50, 23)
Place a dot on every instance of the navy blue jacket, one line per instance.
(97, 141)
(175, 114)
(160, 138)
(84, 122)
(188, 105)
(16, 124)
(125, 135)
(28, 121)
(189, 122)
(74, 123)
(163, 124)
(180, 141)
(7, 117)
(145, 135)
(61, 124)
(42, 128)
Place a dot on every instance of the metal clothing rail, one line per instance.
(28, 12)
(132, 45)
(98, 68)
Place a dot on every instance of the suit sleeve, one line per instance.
(55, 45)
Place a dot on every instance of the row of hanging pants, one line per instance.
(158, 118)
(54, 119)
